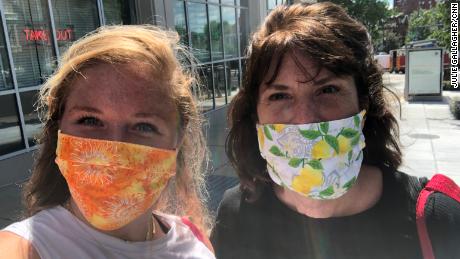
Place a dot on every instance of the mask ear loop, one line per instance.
(364, 119)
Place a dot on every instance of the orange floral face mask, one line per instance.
(111, 182)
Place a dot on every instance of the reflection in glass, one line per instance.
(116, 12)
(31, 42)
(11, 139)
(229, 24)
(73, 19)
(219, 84)
(242, 3)
(33, 124)
(216, 32)
(5, 72)
(199, 31)
(243, 18)
(229, 2)
(233, 78)
(243, 69)
(179, 21)
(204, 90)
(271, 4)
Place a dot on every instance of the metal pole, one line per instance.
(53, 31)
(13, 75)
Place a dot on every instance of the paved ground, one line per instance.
(430, 135)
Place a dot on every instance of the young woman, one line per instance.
(120, 155)
(316, 148)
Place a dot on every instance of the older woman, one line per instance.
(316, 148)
(122, 137)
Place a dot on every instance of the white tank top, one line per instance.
(57, 233)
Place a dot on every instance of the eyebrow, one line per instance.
(145, 115)
(94, 110)
(281, 86)
(84, 109)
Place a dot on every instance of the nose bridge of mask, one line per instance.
(110, 153)
(328, 136)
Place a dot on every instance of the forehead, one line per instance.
(129, 86)
(295, 68)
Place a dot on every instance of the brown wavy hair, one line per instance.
(185, 193)
(326, 34)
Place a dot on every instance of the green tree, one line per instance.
(420, 25)
(442, 30)
(431, 24)
(371, 13)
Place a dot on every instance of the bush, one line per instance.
(455, 107)
(446, 86)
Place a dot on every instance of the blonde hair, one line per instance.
(185, 194)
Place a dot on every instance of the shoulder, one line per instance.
(224, 234)
(39, 232)
(15, 246)
(442, 215)
(444, 208)
(400, 184)
(185, 237)
(231, 201)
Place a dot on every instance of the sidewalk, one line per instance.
(430, 136)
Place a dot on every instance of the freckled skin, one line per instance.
(120, 92)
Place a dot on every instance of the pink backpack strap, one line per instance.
(438, 183)
(197, 233)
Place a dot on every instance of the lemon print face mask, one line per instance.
(319, 160)
(111, 182)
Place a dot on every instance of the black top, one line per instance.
(267, 228)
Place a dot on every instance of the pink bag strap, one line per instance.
(438, 183)
(197, 233)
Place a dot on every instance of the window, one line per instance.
(243, 19)
(230, 36)
(212, 29)
(215, 24)
(10, 131)
(199, 31)
(31, 42)
(179, 21)
(32, 122)
(204, 91)
(228, 2)
(117, 12)
(233, 78)
(219, 84)
(73, 19)
(6, 81)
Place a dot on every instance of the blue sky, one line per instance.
(390, 3)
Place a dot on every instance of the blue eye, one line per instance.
(145, 127)
(90, 121)
(278, 96)
(330, 89)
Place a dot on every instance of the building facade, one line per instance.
(409, 6)
(34, 34)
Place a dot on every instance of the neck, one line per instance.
(363, 195)
(135, 231)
